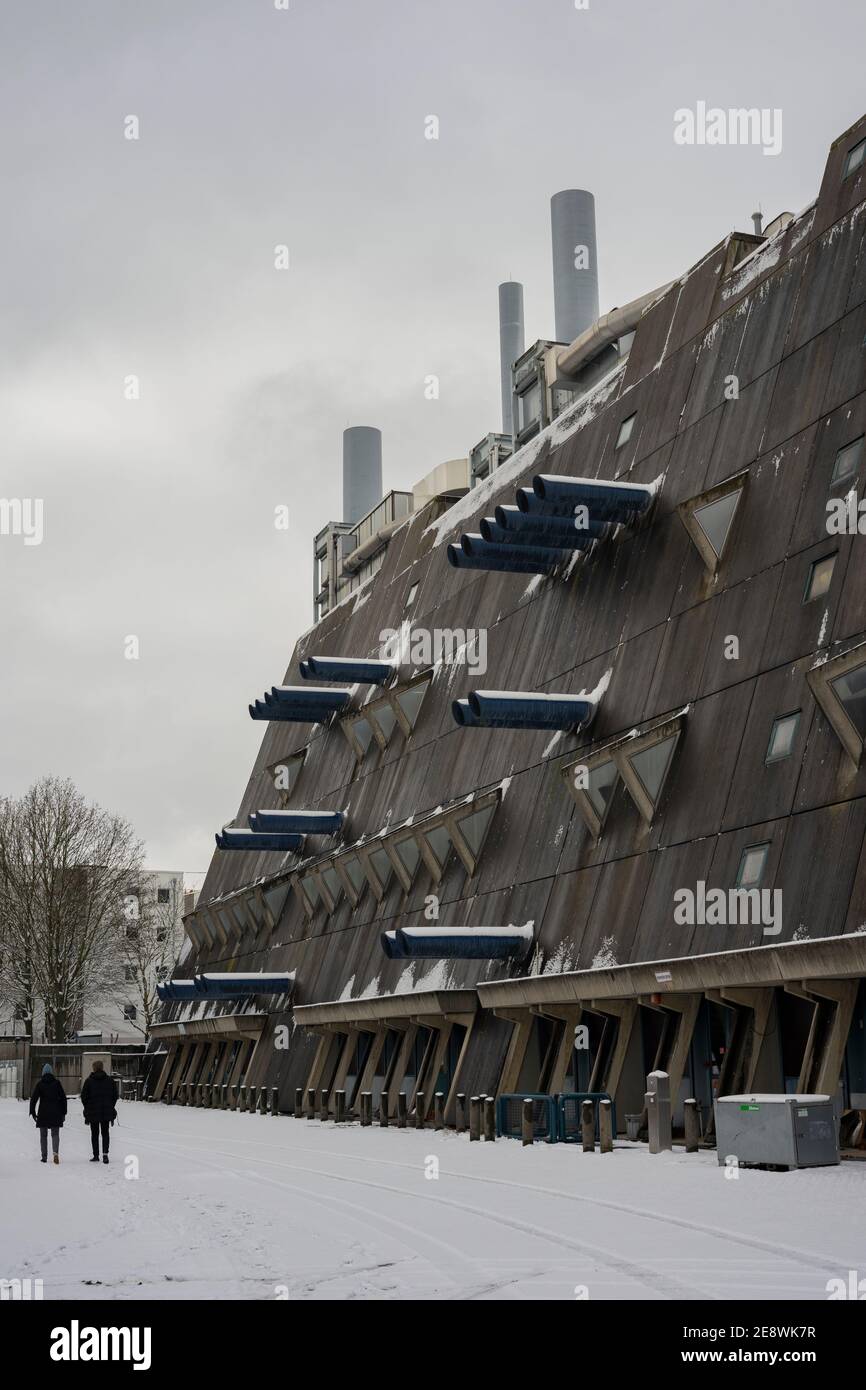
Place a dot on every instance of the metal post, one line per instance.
(299, 1102)
(692, 1124)
(658, 1104)
(252, 1097)
(242, 1098)
(438, 1110)
(527, 1127)
(275, 1100)
(401, 1109)
(383, 1110)
(235, 1097)
(420, 1109)
(263, 1100)
(474, 1118)
(339, 1107)
(139, 1087)
(366, 1108)
(311, 1104)
(168, 1094)
(323, 1105)
(224, 1097)
(489, 1119)
(587, 1126)
(460, 1113)
(605, 1127)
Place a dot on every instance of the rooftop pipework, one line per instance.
(299, 704)
(256, 840)
(518, 709)
(453, 943)
(604, 501)
(575, 262)
(296, 822)
(363, 670)
(511, 344)
(362, 471)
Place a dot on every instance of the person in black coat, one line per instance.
(99, 1097)
(48, 1109)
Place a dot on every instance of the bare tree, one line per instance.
(65, 869)
(150, 946)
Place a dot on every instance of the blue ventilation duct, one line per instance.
(274, 713)
(456, 943)
(173, 990)
(605, 501)
(321, 698)
(363, 670)
(475, 547)
(463, 714)
(517, 709)
(296, 822)
(569, 538)
(251, 839)
(513, 522)
(512, 559)
(239, 985)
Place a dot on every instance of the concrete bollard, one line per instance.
(197, 1094)
(310, 1111)
(211, 1090)
(139, 1089)
(438, 1110)
(242, 1098)
(383, 1110)
(401, 1109)
(252, 1098)
(460, 1113)
(527, 1128)
(263, 1100)
(166, 1095)
(224, 1097)
(299, 1103)
(489, 1119)
(605, 1127)
(275, 1100)
(474, 1118)
(420, 1109)
(366, 1108)
(692, 1124)
(324, 1097)
(587, 1126)
(234, 1097)
(339, 1107)
(658, 1105)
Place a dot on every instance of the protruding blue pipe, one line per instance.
(474, 546)
(456, 943)
(284, 714)
(463, 714)
(514, 521)
(237, 986)
(517, 559)
(605, 501)
(296, 822)
(173, 990)
(251, 839)
(567, 539)
(318, 697)
(518, 709)
(364, 670)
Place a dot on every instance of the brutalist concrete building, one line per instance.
(633, 837)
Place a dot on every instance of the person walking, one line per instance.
(48, 1109)
(99, 1098)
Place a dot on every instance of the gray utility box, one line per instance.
(777, 1130)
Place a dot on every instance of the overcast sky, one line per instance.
(155, 258)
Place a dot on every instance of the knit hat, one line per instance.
(46, 1070)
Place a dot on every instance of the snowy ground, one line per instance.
(232, 1206)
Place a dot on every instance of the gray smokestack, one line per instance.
(362, 471)
(511, 342)
(575, 263)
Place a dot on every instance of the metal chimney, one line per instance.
(575, 263)
(511, 343)
(362, 471)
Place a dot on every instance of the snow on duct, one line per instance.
(238, 985)
(557, 537)
(456, 943)
(296, 822)
(362, 670)
(604, 501)
(515, 709)
(474, 553)
(251, 839)
(299, 704)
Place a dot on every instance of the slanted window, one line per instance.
(379, 870)
(752, 863)
(782, 737)
(410, 597)
(350, 870)
(625, 431)
(405, 856)
(332, 884)
(409, 703)
(709, 518)
(847, 462)
(839, 686)
(276, 900)
(592, 783)
(854, 158)
(469, 832)
(819, 577)
(642, 760)
(284, 774)
(436, 847)
(379, 719)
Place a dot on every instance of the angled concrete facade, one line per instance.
(752, 368)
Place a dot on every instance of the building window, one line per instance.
(163, 895)
(752, 863)
(625, 431)
(130, 1013)
(642, 760)
(129, 973)
(819, 577)
(782, 737)
(854, 158)
(410, 597)
(162, 973)
(285, 773)
(709, 518)
(847, 462)
(378, 719)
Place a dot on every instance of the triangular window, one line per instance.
(709, 518)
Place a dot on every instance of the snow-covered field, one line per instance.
(232, 1206)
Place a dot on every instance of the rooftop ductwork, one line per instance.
(456, 943)
(513, 521)
(513, 559)
(362, 670)
(564, 536)
(252, 839)
(300, 704)
(173, 991)
(603, 332)
(238, 985)
(605, 501)
(475, 546)
(517, 709)
(296, 822)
